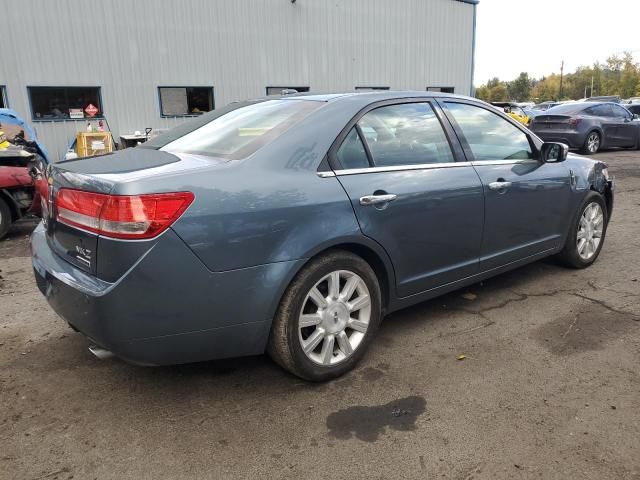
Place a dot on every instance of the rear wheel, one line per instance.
(5, 218)
(587, 233)
(327, 317)
(592, 143)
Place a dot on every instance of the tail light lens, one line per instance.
(574, 122)
(121, 216)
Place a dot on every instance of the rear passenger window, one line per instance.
(619, 111)
(490, 136)
(352, 153)
(602, 111)
(405, 134)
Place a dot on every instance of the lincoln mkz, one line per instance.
(293, 225)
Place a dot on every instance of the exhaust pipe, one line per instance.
(100, 352)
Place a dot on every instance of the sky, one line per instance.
(534, 36)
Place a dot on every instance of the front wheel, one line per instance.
(587, 233)
(592, 143)
(327, 317)
(5, 218)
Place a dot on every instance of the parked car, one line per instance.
(19, 152)
(292, 225)
(634, 108)
(544, 106)
(589, 126)
(513, 110)
(605, 98)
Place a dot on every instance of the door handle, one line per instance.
(377, 199)
(499, 185)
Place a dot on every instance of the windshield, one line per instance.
(241, 132)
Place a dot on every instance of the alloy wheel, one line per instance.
(593, 142)
(335, 317)
(589, 233)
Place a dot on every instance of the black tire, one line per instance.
(284, 345)
(569, 255)
(587, 149)
(5, 218)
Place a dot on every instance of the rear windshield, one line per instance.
(242, 131)
(568, 108)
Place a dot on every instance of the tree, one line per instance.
(520, 88)
(618, 75)
(495, 90)
(499, 93)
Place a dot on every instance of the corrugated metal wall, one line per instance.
(239, 47)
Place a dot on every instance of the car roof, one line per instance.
(370, 95)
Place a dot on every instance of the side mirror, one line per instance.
(553, 152)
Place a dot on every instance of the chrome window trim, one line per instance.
(423, 166)
(402, 168)
(479, 163)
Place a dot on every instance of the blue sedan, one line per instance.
(293, 225)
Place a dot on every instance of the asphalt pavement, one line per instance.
(549, 386)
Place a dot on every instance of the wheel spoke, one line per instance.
(597, 233)
(344, 344)
(358, 325)
(598, 220)
(583, 221)
(309, 320)
(581, 244)
(327, 350)
(581, 234)
(360, 302)
(334, 285)
(349, 288)
(318, 298)
(312, 342)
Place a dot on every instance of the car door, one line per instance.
(526, 200)
(410, 195)
(608, 124)
(626, 129)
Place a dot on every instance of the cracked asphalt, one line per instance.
(549, 386)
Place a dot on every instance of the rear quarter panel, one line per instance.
(272, 206)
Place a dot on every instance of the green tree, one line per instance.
(520, 89)
(499, 93)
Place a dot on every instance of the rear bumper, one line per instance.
(571, 138)
(168, 308)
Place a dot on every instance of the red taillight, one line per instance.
(121, 216)
(574, 122)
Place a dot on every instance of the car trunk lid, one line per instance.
(80, 207)
(552, 122)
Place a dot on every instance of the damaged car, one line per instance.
(293, 225)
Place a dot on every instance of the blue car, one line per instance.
(293, 225)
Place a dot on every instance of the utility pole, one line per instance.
(591, 86)
(561, 74)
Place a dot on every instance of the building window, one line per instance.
(65, 103)
(441, 89)
(3, 97)
(185, 101)
(372, 88)
(285, 90)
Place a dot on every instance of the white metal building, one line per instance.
(151, 63)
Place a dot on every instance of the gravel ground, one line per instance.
(549, 388)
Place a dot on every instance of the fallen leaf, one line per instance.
(469, 296)
(461, 356)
